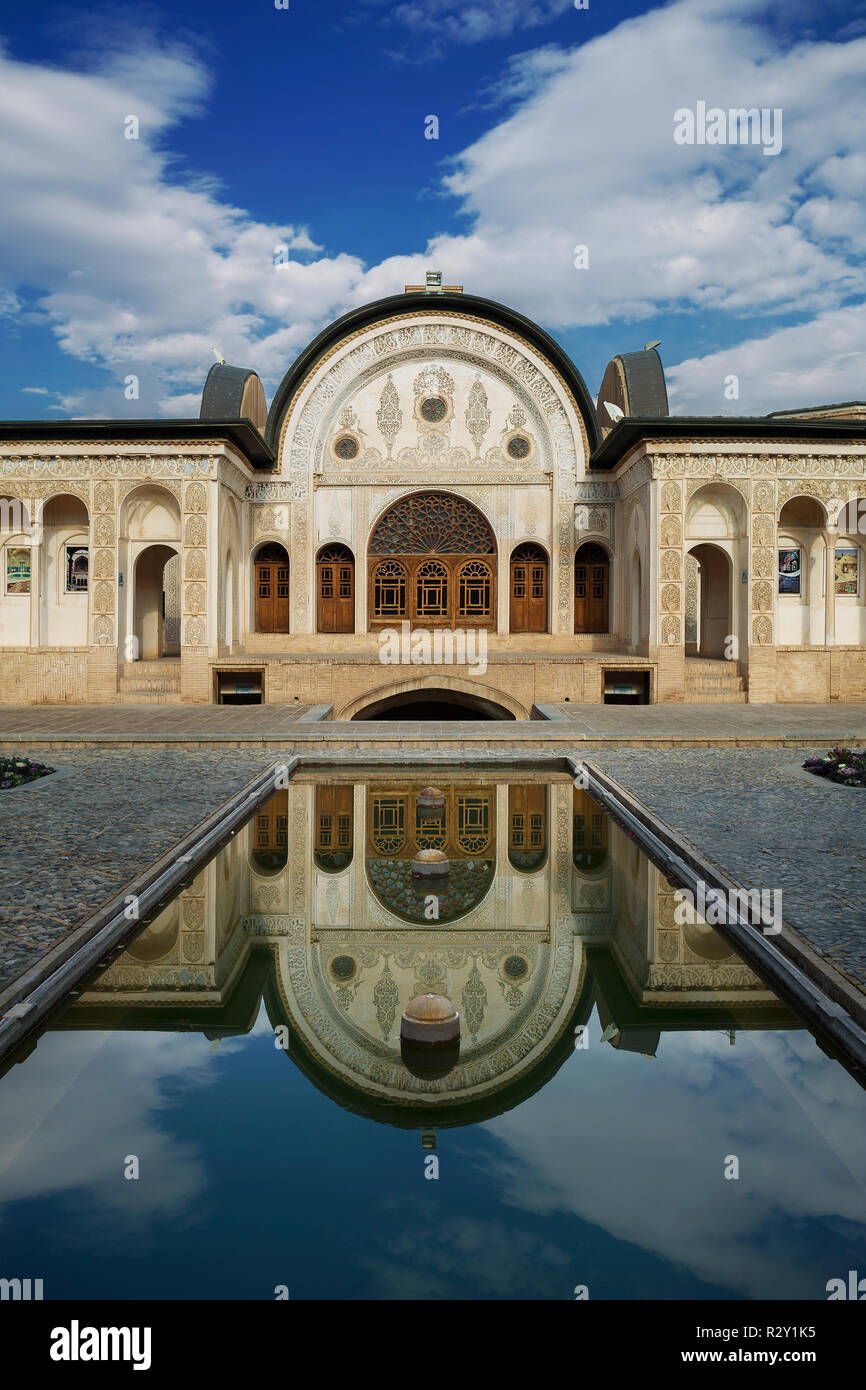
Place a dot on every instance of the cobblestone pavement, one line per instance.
(69, 843)
(756, 814)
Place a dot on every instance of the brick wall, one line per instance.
(43, 676)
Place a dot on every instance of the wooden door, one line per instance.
(527, 826)
(271, 833)
(591, 593)
(589, 831)
(272, 594)
(528, 590)
(333, 829)
(335, 592)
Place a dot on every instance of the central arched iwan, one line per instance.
(432, 563)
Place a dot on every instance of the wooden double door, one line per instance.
(591, 590)
(335, 589)
(272, 589)
(528, 589)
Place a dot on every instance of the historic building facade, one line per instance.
(435, 504)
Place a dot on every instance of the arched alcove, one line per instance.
(17, 546)
(64, 572)
(714, 602)
(152, 639)
(439, 698)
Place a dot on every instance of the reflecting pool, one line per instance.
(631, 1111)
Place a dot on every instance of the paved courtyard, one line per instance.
(285, 725)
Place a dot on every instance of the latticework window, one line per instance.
(432, 590)
(432, 523)
(473, 823)
(389, 590)
(436, 572)
(388, 833)
(476, 586)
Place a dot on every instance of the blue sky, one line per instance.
(305, 127)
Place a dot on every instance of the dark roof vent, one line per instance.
(234, 393)
(634, 383)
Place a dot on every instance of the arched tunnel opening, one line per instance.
(437, 705)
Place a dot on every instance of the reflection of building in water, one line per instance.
(334, 835)
(271, 834)
(555, 910)
(463, 828)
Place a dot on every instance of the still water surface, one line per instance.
(245, 1050)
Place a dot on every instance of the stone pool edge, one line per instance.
(821, 990)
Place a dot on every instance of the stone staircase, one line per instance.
(150, 682)
(714, 682)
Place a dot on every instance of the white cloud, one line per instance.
(648, 1167)
(142, 270)
(817, 363)
(136, 269)
(590, 159)
(36, 390)
(58, 1136)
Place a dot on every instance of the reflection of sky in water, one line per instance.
(611, 1176)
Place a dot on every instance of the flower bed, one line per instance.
(14, 772)
(843, 765)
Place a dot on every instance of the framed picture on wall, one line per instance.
(17, 569)
(77, 564)
(789, 570)
(847, 570)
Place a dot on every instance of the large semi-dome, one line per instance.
(466, 309)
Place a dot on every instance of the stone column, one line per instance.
(666, 585)
(830, 588)
(195, 599)
(35, 573)
(104, 597)
(763, 561)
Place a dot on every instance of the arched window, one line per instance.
(528, 589)
(387, 825)
(431, 600)
(591, 589)
(389, 590)
(335, 589)
(272, 588)
(436, 567)
(476, 588)
(473, 823)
